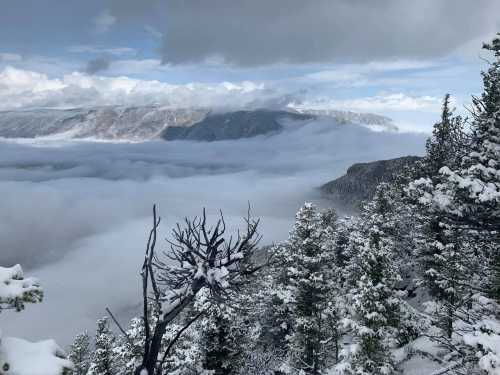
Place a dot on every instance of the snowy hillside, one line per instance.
(141, 123)
(110, 123)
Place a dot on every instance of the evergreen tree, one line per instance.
(447, 144)
(465, 204)
(276, 304)
(79, 354)
(482, 176)
(127, 350)
(221, 340)
(186, 356)
(102, 362)
(467, 200)
(445, 148)
(374, 304)
(309, 284)
(18, 356)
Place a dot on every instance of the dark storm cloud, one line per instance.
(96, 65)
(257, 32)
(260, 32)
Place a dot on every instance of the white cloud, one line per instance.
(10, 57)
(21, 89)
(17, 82)
(340, 75)
(398, 102)
(104, 21)
(118, 51)
(354, 75)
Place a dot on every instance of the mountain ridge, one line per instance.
(359, 182)
(141, 123)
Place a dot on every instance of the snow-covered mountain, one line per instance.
(139, 123)
(107, 123)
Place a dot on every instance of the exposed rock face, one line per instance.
(108, 123)
(233, 125)
(361, 180)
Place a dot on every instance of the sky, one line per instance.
(391, 57)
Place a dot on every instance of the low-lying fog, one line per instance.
(75, 214)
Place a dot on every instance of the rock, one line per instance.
(233, 125)
(361, 180)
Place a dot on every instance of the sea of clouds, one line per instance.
(76, 214)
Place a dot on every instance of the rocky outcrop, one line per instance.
(361, 180)
(233, 125)
(106, 123)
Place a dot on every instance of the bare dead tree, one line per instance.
(199, 256)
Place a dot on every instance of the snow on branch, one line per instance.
(200, 256)
(16, 291)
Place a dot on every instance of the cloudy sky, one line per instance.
(392, 57)
(76, 213)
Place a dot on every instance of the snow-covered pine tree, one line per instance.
(228, 327)
(182, 358)
(445, 147)
(186, 355)
(374, 303)
(483, 173)
(343, 230)
(18, 356)
(17, 290)
(79, 354)
(309, 284)
(470, 196)
(467, 202)
(447, 144)
(127, 350)
(221, 340)
(275, 302)
(102, 361)
(334, 246)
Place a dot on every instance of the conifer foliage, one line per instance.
(374, 312)
(18, 356)
(102, 362)
(79, 354)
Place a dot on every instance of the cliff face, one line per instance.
(107, 123)
(141, 123)
(232, 125)
(361, 180)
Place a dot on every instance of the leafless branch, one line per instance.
(199, 256)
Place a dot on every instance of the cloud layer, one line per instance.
(76, 214)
